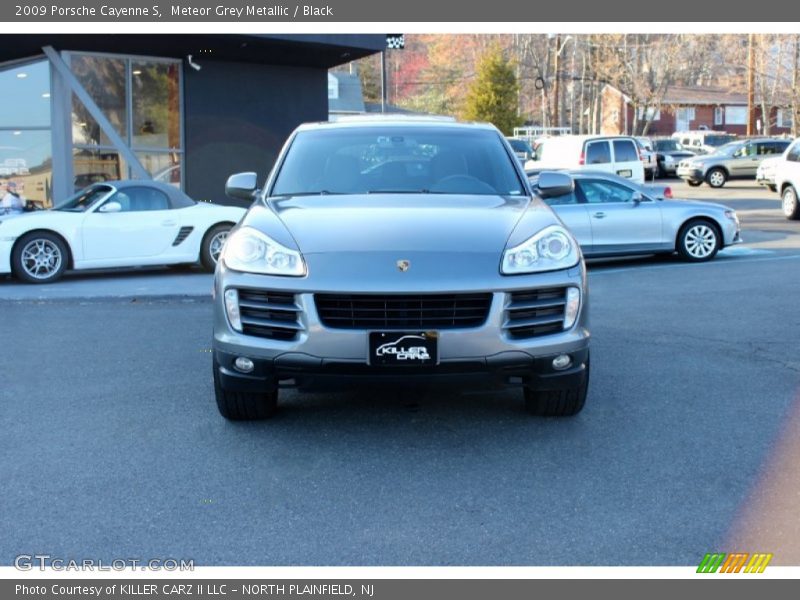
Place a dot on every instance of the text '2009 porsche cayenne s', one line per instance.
(402, 251)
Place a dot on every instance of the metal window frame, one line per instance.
(66, 84)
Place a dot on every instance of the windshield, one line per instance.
(386, 159)
(81, 201)
(729, 148)
(668, 146)
(717, 140)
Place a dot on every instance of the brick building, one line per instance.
(685, 108)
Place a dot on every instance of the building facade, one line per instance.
(689, 108)
(184, 109)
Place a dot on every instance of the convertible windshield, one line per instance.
(387, 159)
(85, 198)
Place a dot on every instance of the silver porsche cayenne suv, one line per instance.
(403, 252)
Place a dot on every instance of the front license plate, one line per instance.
(625, 173)
(403, 348)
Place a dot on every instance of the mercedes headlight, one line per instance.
(250, 251)
(551, 249)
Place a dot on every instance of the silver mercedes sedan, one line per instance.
(613, 216)
(403, 252)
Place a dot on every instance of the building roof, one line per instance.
(702, 96)
(309, 50)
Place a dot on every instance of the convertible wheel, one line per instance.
(212, 245)
(790, 204)
(698, 241)
(716, 178)
(244, 406)
(39, 257)
(565, 402)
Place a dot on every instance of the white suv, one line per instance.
(617, 154)
(787, 180)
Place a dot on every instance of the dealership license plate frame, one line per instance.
(429, 340)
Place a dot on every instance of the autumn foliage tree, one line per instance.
(493, 95)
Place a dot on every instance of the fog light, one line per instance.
(243, 364)
(562, 361)
(232, 308)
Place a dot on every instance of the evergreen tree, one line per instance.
(493, 94)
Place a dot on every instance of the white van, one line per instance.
(618, 154)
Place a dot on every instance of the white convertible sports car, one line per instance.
(115, 224)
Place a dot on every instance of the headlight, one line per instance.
(550, 249)
(251, 251)
(731, 214)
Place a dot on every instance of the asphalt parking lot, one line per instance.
(113, 447)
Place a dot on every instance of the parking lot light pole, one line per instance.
(751, 80)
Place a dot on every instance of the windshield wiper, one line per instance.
(315, 193)
(422, 191)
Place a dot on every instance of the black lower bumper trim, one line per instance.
(507, 369)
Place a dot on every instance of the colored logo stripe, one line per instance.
(710, 563)
(758, 563)
(734, 562)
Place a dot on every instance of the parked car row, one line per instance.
(787, 180)
(351, 260)
(115, 224)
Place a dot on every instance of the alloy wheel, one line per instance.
(716, 179)
(216, 244)
(789, 202)
(41, 258)
(700, 241)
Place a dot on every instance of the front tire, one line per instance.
(694, 183)
(212, 244)
(39, 257)
(698, 241)
(790, 204)
(244, 406)
(716, 178)
(565, 402)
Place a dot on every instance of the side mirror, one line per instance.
(241, 186)
(637, 197)
(110, 207)
(552, 184)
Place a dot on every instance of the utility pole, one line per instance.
(384, 86)
(556, 120)
(751, 84)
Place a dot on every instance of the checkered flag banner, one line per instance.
(395, 41)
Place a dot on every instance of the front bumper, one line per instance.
(322, 356)
(5, 256)
(668, 166)
(506, 369)
(690, 173)
(765, 178)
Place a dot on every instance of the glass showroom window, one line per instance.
(25, 146)
(142, 100)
